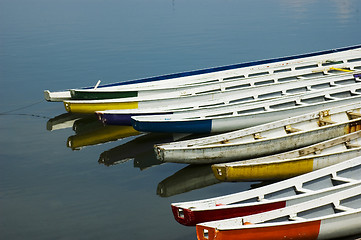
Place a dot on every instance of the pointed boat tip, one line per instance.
(220, 172)
(56, 96)
(47, 95)
(183, 215)
(67, 106)
(205, 233)
(134, 123)
(159, 152)
(100, 117)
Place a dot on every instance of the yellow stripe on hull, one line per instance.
(341, 69)
(79, 107)
(261, 172)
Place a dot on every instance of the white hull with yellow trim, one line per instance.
(292, 163)
(265, 139)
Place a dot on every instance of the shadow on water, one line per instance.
(187, 179)
(140, 149)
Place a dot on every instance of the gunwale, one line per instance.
(282, 168)
(234, 86)
(225, 97)
(343, 222)
(216, 94)
(242, 115)
(229, 146)
(289, 70)
(267, 197)
(182, 77)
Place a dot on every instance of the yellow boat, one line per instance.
(292, 163)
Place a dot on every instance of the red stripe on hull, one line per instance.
(191, 218)
(295, 231)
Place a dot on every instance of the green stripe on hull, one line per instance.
(97, 95)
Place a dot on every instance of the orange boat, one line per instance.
(330, 216)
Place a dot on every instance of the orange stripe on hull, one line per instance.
(295, 231)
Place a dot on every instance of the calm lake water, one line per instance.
(116, 189)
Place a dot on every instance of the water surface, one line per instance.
(115, 188)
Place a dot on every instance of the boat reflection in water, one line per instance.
(142, 160)
(187, 179)
(65, 120)
(140, 149)
(100, 135)
(89, 130)
(88, 124)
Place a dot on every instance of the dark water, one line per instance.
(48, 190)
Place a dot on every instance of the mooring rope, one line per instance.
(25, 114)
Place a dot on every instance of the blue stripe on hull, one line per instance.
(122, 119)
(116, 119)
(228, 67)
(201, 126)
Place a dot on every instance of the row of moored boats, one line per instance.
(296, 119)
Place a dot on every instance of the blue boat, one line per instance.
(239, 116)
